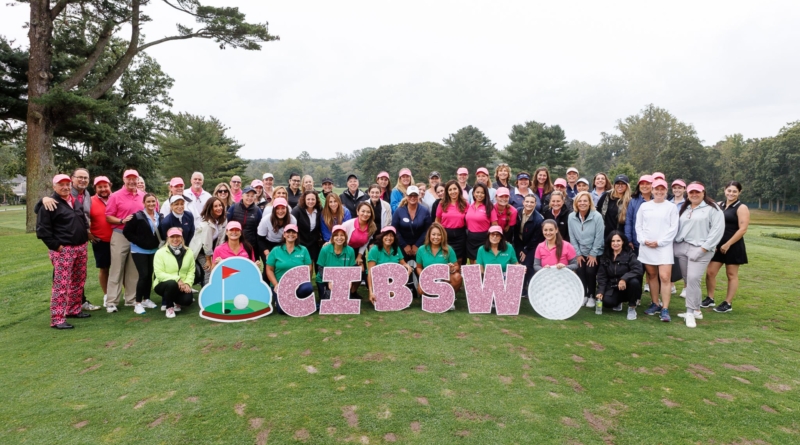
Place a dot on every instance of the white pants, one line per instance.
(693, 263)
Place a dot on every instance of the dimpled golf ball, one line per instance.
(240, 301)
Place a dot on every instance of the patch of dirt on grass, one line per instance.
(301, 435)
(305, 353)
(385, 414)
(709, 402)
(129, 344)
(461, 335)
(725, 396)
(157, 422)
(110, 344)
(238, 345)
(597, 346)
(140, 403)
(91, 368)
(697, 375)
(272, 334)
(506, 380)
(239, 409)
(778, 387)
(349, 413)
(730, 340)
(310, 369)
(463, 433)
(527, 379)
(741, 368)
(415, 426)
(193, 399)
(598, 423)
(448, 392)
(337, 363)
(462, 414)
(261, 438)
(338, 377)
(769, 409)
(741, 380)
(376, 357)
(670, 403)
(256, 423)
(422, 401)
(568, 421)
(550, 379)
(390, 437)
(81, 424)
(578, 358)
(511, 334)
(420, 368)
(574, 384)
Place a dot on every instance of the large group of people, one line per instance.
(615, 237)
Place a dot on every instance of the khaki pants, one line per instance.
(122, 271)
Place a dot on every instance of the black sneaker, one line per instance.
(708, 302)
(723, 307)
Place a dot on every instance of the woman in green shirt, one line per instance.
(496, 251)
(336, 253)
(285, 257)
(437, 251)
(385, 250)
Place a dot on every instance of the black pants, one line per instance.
(144, 265)
(172, 295)
(632, 294)
(588, 276)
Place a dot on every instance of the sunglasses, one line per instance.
(236, 182)
(222, 191)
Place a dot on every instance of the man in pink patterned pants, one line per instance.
(65, 233)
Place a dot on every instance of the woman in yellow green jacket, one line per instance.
(173, 266)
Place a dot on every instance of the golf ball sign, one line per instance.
(236, 291)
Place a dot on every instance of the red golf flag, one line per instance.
(228, 271)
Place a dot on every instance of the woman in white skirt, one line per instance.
(656, 227)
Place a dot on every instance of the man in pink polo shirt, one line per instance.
(236, 188)
(121, 206)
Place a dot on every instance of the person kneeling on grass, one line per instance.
(618, 275)
(554, 251)
(436, 251)
(336, 253)
(286, 256)
(385, 250)
(173, 266)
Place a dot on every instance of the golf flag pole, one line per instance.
(226, 272)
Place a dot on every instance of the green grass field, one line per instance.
(403, 377)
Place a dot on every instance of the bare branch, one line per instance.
(167, 39)
(91, 61)
(58, 8)
(122, 64)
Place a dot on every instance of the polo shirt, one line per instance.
(547, 256)
(284, 261)
(223, 251)
(505, 219)
(379, 256)
(359, 237)
(477, 221)
(425, 256)
(123, 203)
(236, 196)
(328, 258)
(451, 218)
(100, 227)
(503, 258)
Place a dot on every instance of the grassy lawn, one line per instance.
(404, 377)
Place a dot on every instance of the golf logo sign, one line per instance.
(235, 292)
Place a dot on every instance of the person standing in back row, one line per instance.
(197, 198)
(352, 196)
(122, 205)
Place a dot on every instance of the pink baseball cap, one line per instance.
(645, 178)
(61, 178)
(389, 229)
(462, 171)
(658, 175)
(678, 182)
(502, 191)
(561, 181)
(496, 229)
(338, 227)
(130, 173)
(483, 170)
(280, 202)
(174, 231)
(382, 175)
(233, 225)
(100, 179)
(404, 171)
(175, 181)
(256, 183)
(288, 227)
(695, 188)
(660, 183)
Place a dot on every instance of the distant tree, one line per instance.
(338, 175)
(285, 168)
(468, 147)
(371, 161)
(194, 143)
(534, 144)
(624, 168)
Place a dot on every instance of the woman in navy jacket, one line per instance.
(411, 230)
(527, 236)
(179, 218)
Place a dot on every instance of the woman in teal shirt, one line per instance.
(334, 254)
(385, 250)
(286, 256)
(437, 251)
(496, 251)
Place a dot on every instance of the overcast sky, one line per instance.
(347, 75)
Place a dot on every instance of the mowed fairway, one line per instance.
(404, 377)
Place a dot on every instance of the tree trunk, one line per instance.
(759, 203)
(39, 147)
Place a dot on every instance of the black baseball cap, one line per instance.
(434, 174)
(622, 178)
(351, 175)
(327, 180)
(523, 175)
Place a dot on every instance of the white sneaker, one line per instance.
(89, 307)
(683, 293)
(163, 308)
(590, 303)
(631, 313)
(111, 308)
(618, 308)
(138, 309)
(170, 313)
(689, 318)
(453, 307)
(647, 287)
(585, 300)
(674, 291)
(149, 304)
(698, 315)
(105, 298)
(177, 308)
